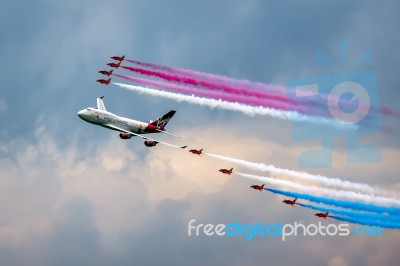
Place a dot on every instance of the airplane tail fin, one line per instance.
(201, 150)
(231, 170)
(294, 200)
(262, 186)
(327, 213)
(163, 120)
(100, 104)
(111, 71)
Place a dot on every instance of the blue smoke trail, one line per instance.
(367, 222)
(354, 214)
(339, 203)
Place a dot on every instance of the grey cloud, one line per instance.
(60, 203)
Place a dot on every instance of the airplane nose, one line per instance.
(80, 113)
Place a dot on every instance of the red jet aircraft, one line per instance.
(105, 72)
(289, 202)
(104, 81)
(115, 65)
(226, 171)
(257, 187)
(118, 58)
(197, 152)
(322, 215)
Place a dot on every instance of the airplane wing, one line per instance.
(143, 137)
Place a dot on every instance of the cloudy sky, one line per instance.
(75, 194)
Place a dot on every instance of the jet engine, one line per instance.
(150, 143)
(125, 135)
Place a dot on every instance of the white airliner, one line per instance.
(128, 127)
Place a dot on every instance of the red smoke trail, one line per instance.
(389, 112)
(201, 75)
(208, 94)
(195, 76)
(253, 86)
(226, 96)
(163, 68)
(209, 84)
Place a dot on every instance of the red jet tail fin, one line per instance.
(163, 120)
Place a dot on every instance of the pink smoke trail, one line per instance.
(285, 103)
(201, 75)
(226, 96)
(208, 84)
(208, 94)
(251, 85)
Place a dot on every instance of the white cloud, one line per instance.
(54, 197)
(130, 196)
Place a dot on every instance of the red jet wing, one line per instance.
(104, 81)
(114, 65)
(257, 187)
(290, 202)
(322, 215)
(118, 58)
(197, 152)
(226, 171)
(105, 72)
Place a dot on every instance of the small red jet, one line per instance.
(115, 65)
(118, 58)
(104, 81)
(197, 152)
(257, 187)
(105, 72)
(322, 215)
(289, 202)
(226, 171)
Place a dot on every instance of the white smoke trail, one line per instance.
(334, 182)
(245, 109)
(349, 195)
